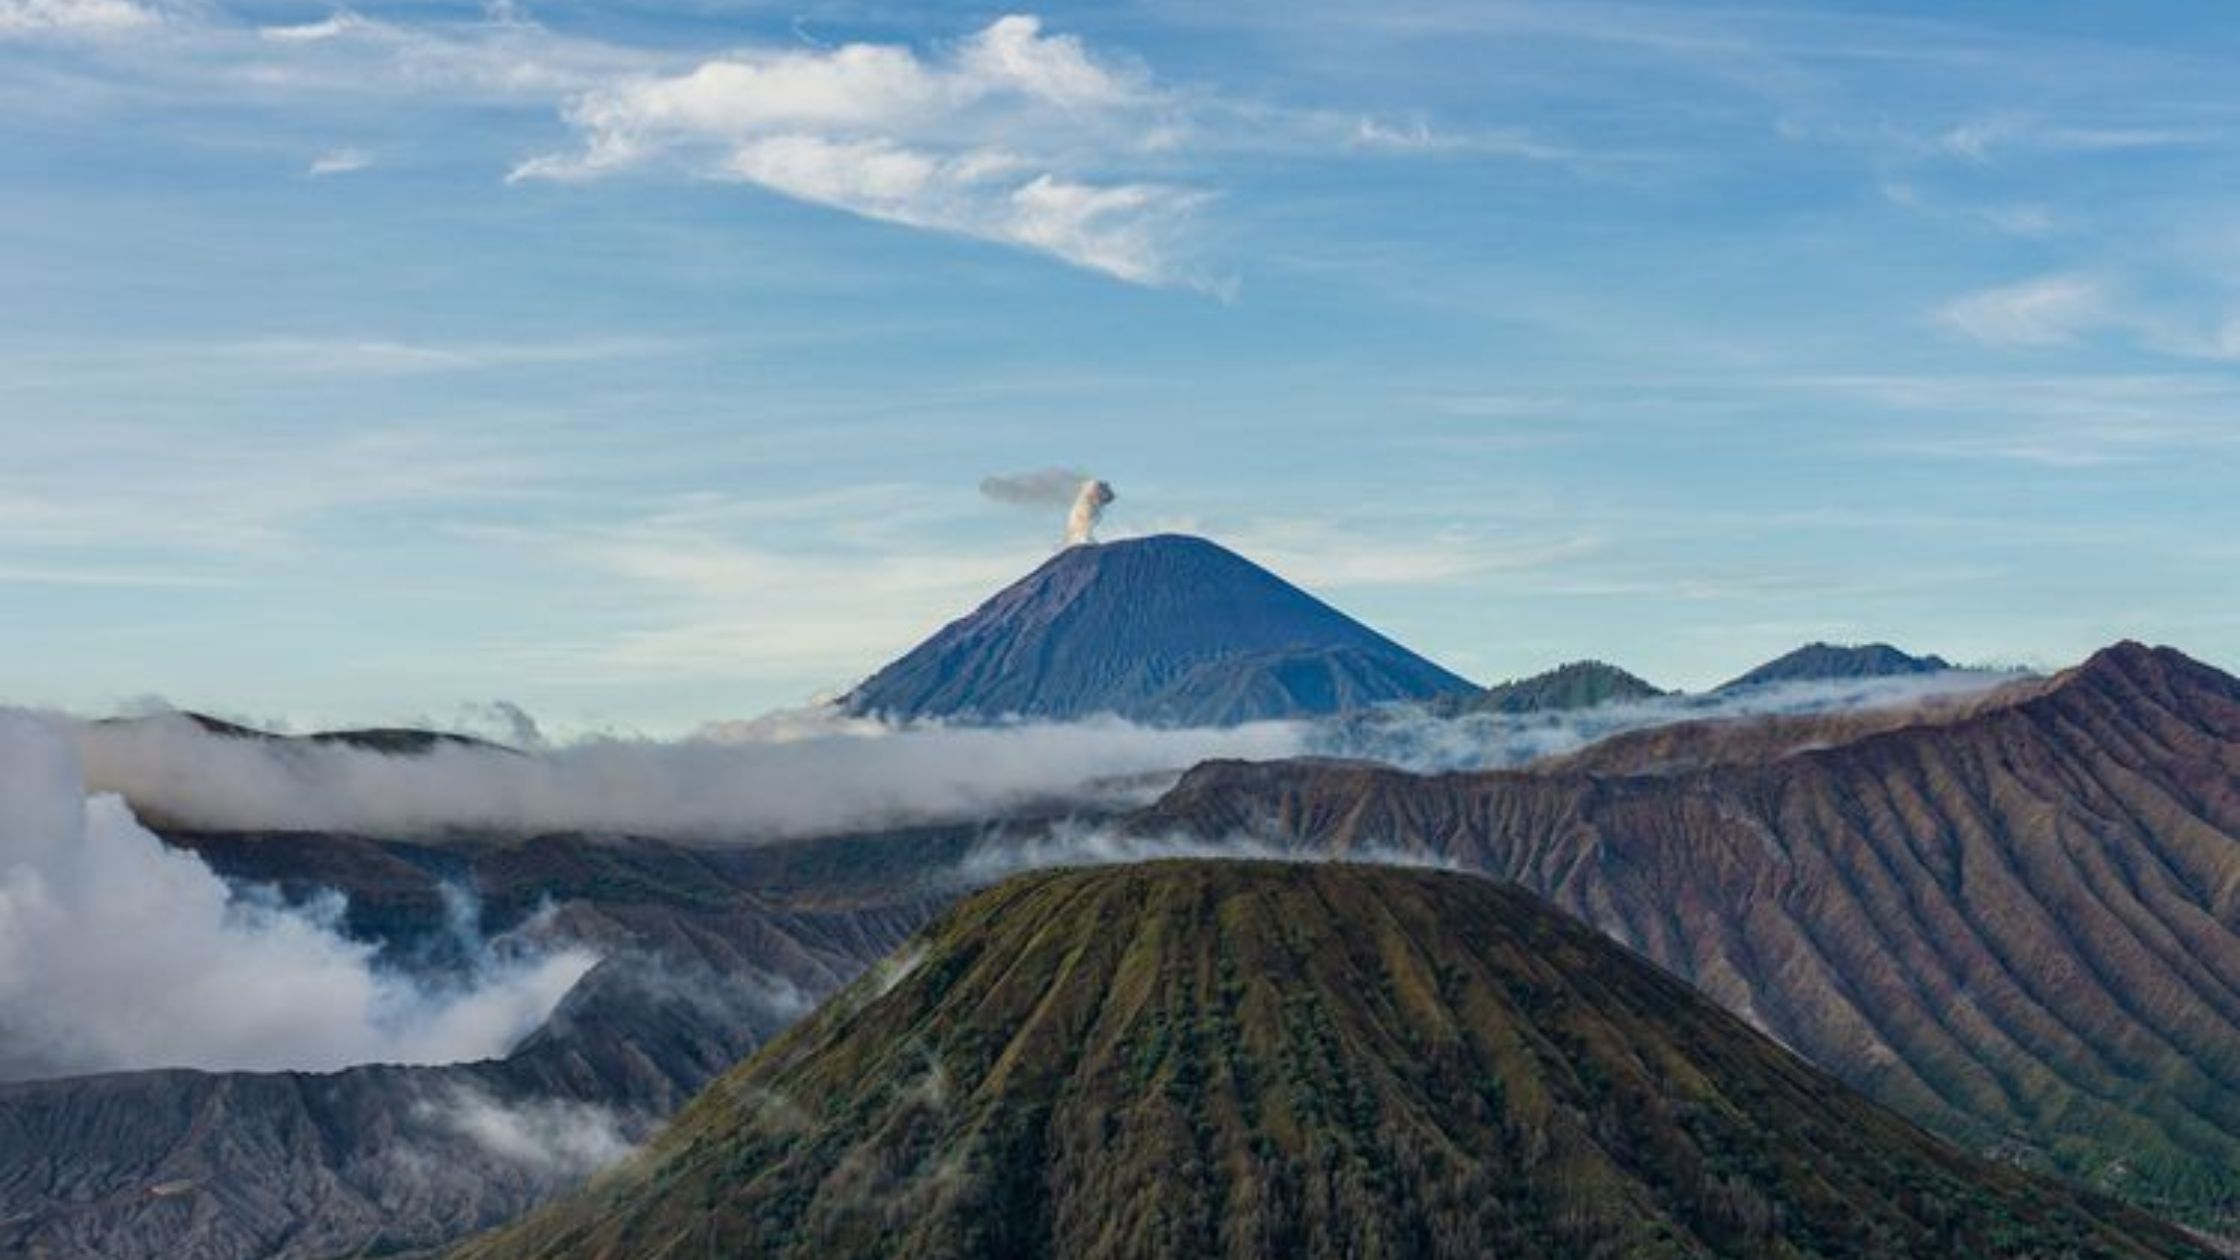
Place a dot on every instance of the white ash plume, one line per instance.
(1088, 509)
(1084, 496)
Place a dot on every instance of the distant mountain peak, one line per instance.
(1574, 685)
(2131, 667)
(1170, 629)
(1817, 662)
(395, 740)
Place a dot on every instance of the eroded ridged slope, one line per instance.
(1259, 1060)
(2018, 923)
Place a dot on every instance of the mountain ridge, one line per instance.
(1581, 684)
(2017, 921)
(1190, 1058)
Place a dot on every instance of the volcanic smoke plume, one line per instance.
(1088, 509)
(1083, 494)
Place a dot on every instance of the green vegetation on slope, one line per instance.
(2013, 918)
(1578, 685)
(1244, 1059)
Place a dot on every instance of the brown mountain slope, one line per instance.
(2018, 923)
(1255, 1059)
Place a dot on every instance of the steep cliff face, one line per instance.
(2017, 921)
(1170, 630)
(1260, 1060)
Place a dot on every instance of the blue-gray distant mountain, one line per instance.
(1819, 662)
(1171, 630)
(1578, 685)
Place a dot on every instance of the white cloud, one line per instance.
(810, 772)
(117, 952)
(498, 56)
(1980, 140)
(1407, 737)
(1417, 135)
(336, 25)
(2062, 309)
(339, 162)
(1000, 857)
(1014, 52)
(549, 1137)
(74, 17)
(2048, 311)
(1011, 136)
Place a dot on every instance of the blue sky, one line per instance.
(637, 363)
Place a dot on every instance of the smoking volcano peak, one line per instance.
(1170, 629)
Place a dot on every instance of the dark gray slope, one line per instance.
(1168, 629)
(1816, 662)
(707, 953)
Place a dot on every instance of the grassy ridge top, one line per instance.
(1248, 1059)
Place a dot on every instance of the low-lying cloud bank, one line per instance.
(117, 952)
(552, 1139)
(1428, 743)
(808, 775)
(816, 772)
(998, 858)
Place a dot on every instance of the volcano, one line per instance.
(1169, 630)
(1253, 1059)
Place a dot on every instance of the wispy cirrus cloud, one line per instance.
(339, 162)
(22, 18)
(1987, 138)
(2046, 311)
(1013, 135)
(2067, 308)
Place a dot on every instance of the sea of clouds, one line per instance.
(818, 772)
(117, 951)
